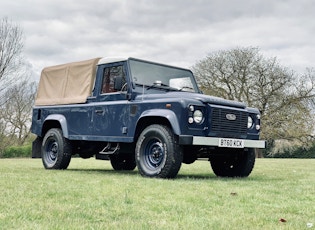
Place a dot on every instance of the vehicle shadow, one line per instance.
(196, 177)
(104, 171)
(258, 178)
(136, 173)
(184, 176)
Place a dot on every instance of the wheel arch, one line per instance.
(157, 116)
(56, 121)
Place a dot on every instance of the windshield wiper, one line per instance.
(186, 87)
(159, 85)
(155, 86)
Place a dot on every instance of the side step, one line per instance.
(107, 150)
(110, 150)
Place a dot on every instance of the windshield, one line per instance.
(151, 74)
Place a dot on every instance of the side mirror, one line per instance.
(118, 83)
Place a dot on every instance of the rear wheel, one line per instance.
(238, 163)
(56, 150)
(123, 162)
(157, 152)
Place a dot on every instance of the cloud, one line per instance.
(177, 32)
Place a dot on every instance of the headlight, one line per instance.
(249, 122)
(198, 116)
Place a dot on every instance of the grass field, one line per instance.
(90, 195)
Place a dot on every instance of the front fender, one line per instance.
(61, 120)
(163, 113)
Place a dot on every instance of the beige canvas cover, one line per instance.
(67, 84)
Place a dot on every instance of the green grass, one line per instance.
(90, 195)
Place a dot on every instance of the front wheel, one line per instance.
(237, 163)
(157, 152)
(56, 150)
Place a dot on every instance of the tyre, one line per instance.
(157, 152)
(123, 162)
(239, 163)
(56, 150)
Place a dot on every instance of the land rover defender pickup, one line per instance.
(137, 113)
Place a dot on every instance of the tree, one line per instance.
(16, 113)
(284, 99)
(16, 93)
(11, 46)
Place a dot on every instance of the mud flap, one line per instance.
(36, 148)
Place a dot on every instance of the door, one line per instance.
(111, 110)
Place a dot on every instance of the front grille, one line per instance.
(222, 127)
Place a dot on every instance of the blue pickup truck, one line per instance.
(137, 113)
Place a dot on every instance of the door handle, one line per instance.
(99, 111)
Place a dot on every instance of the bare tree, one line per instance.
(16, 92)
(16, 114)
(11, 46)
(283, 98)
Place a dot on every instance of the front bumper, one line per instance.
(215, 141)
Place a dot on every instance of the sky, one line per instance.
(175, 32)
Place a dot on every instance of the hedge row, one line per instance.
(17, 151)
(298, 152)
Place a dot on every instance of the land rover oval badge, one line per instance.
(230, 116)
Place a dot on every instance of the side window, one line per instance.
(110, 76)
